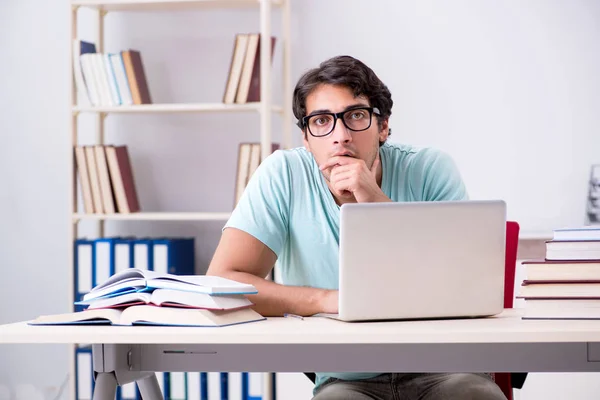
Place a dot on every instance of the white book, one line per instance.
(89, 75)
(235, 69)
(243, 168)
(90, 158)
(116, 60)
(577, 233)
(112, 80)
(135, 279)
(152, 315)
(102, 79)
(78, 77)
(171, 298)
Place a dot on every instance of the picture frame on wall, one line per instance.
(592, 208)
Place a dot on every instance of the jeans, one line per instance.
(463, 386)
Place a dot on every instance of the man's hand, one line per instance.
(350, 177)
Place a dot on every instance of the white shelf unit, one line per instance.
(176, 108)
(170, 5)
(155, 216)
(265, 108)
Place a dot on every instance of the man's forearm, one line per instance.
(274, 300)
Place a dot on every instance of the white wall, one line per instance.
(509, 89)
(33, 195)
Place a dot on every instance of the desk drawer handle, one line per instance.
(187, 352)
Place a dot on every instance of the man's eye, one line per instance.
(357, 115)
(321, 120)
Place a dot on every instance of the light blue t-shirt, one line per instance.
(288, 206)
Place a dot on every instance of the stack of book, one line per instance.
(109, 79)
(243, 81)
(106, 179)
(137, 297)
(566, 284)
(249, 158)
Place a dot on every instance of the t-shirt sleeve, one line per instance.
(263, 208)
(440, 177)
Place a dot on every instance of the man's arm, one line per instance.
(243, 258)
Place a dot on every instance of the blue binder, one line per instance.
(142, 254)
(83, 269)
(104, 259)
(204, 385)
(123, 249)
(224, 385)
(84, 373)
(173, 255)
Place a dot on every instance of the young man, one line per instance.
(289, 215)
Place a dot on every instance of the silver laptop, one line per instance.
(421, 260)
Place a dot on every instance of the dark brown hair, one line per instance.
(349, 72)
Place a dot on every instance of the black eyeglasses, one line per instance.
(355, 119)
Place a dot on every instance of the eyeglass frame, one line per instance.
(303, 122)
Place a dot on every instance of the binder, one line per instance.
(254, 387)
(128, 391)
(224, 379)
(123, 254)
(234, 386)
(204, 385)
(163, 383)
(84, 382)
(104, 259)
(142, 254)
(173, 255)
(214, 391)
(178, 386)
(83, 265)
(193, 386)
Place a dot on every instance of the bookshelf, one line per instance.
(265, 108)
(154, 216)
(176, 108)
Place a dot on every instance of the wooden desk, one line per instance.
(500, 344)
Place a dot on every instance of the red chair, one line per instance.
(506, 380)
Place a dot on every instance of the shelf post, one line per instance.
(265, 78)
(287, 75)
(72, 205)
(101, 116)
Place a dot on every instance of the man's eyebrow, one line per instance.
(350, 107)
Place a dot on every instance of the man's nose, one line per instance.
(340, 133)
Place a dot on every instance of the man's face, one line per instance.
(342, 141)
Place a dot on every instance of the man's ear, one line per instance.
(384, 132)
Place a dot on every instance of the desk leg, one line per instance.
(105, 387)
(149, 388)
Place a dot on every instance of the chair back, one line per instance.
(504, 379)
(510, 262)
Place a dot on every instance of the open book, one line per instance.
(137, 280)
(152, 315)
(171, 298)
